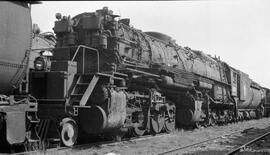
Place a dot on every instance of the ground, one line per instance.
(179, 138)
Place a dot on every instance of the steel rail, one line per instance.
(246, 144)
(198, 143)
(134, 139)
(100, 144)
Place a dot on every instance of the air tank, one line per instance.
(15, 42)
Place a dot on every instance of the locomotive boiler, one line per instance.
(107, 77)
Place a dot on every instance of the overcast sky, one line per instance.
(236, 30)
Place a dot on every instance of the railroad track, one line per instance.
(136, 139)
(238, 149)
(89, 145)
(201, 142)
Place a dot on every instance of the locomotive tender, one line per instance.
(17, 113)
(107, 77)
(18, 108)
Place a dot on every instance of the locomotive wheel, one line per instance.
(170, 122)
(69, 132)
(157, 122)
(169, 125)
(140, 129)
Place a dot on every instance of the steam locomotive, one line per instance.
(104, 77)
(107, 77)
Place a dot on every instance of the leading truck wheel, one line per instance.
(140, 129)
(69, 132)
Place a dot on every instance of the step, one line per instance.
(75, 95)
(35, 121)
(82, 84)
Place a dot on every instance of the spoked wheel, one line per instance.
(170, 121)
(69, 132)
(157, 122)
(140, 129)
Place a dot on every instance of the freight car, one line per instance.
(18, 108)
(107, 77)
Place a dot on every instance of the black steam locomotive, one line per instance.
(105, 77)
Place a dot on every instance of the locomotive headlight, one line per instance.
(39, 63)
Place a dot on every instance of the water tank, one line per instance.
(15, 41)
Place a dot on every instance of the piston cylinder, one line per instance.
(98, 119)
(188, 115)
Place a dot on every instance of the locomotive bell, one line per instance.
(105, 8)
(58, 16)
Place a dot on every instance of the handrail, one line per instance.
(77, 50)
(91, 49)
